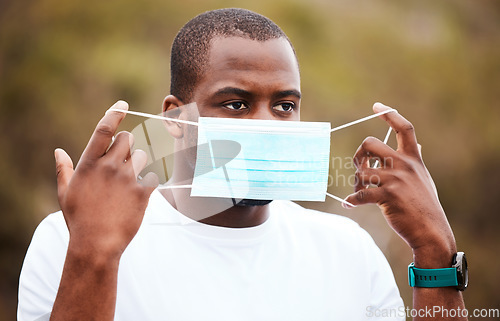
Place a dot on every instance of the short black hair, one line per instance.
(191, 46)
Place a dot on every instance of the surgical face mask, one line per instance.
(254, 159)
(262, 159)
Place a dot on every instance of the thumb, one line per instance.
(64, 171)
(150, 182)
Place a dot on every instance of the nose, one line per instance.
(261, 110)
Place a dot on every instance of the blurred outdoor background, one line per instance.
(63, 63)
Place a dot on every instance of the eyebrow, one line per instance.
(286, 93)
(233, 91)
(246, 93)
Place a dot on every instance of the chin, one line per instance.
(249, 202)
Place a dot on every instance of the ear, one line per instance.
(171, 109)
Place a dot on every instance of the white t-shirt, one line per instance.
(298, 265)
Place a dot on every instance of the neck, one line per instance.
(214, 211)
(239, 217)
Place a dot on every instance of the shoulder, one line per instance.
(52, 226)
(50, 238)
(49, 243)
(340, 239)
(42, 267)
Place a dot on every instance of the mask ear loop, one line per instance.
(146, 115)
(331, 131)
(375, 165)
(386, 139)
(137, 113)
(362, 119)
(341, 200)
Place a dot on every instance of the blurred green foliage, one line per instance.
(62, 63)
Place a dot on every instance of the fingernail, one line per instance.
(380, 106)
(57, 152)
(120, 104)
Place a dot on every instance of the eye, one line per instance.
(285, 107)
(236, 105)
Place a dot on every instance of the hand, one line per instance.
(404, 192)
(102, 201)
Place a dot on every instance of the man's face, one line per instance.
(250, 79)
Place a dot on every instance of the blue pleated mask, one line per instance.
(262, 159)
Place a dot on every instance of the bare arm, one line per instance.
(408, 199)
(103, 205)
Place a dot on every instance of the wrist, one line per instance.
(93, 255)
(434, 256)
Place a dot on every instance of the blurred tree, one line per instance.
(62, 63)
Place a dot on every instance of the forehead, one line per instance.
(251, 63)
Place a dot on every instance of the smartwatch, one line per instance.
(457, 275)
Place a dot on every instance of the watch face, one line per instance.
(460, 262)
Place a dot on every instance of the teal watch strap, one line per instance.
(431, 278)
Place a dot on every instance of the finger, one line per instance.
(405, 132)
(121, 149)
(368, 176)
(364, 196)
(64, 171)
(150, 181)
(372, 147)
(361, 160)
(139, 160)
(360, 182)
(428, 174)
(104, 131)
